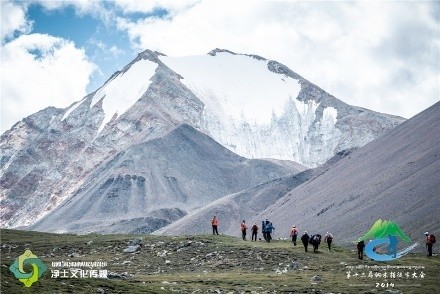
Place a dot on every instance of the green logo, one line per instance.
(38, 268)
(384, 232)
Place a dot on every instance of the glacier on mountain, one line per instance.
(254, 107)
(249, 108)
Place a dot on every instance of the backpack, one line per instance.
(432, 239)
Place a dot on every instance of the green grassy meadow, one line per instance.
(207, 264)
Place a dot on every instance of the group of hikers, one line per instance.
(268, 230)
(314, 240)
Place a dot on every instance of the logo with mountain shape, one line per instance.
(38, 268)
(384, 232)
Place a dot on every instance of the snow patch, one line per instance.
(72, 108)
(330, 114)
(124, 90)
(219, 82)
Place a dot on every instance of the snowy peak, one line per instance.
(237, 87)
(218, 50)
(260, 108)
(124, 90)
(256, 107)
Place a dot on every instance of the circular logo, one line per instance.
(38, 268)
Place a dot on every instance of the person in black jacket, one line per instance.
(254, 230)
(305, 240)
(315, 240)
(360, 247)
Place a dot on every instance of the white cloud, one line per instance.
(81, 6)
(95, 8)
(173, 6)
(42, 71)
(383, 56)
(13, 19)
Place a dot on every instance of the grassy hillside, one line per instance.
(205, 264)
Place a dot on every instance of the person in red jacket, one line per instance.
(294, 234)
(430, 240)
(243, 228)
(214, 223)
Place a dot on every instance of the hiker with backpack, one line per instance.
(254, 230)
(269, 230)
(328, 238)
(305, 240)
(263, 228)
(315, 240)
(214, 223)
(294, 234)
(243, 228)
(430, 240)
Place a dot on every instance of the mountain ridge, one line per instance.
(47, 157)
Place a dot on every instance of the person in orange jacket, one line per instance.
(243, 228)
(214, 223)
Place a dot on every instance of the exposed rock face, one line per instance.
(58, 154)
(135, 190)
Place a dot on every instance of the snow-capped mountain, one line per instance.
(255, 107)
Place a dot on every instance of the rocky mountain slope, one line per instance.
(395, 177)
(156, 182)
(246, 204)
(253, 106)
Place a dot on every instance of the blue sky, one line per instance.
(90, 33)
(380, 55)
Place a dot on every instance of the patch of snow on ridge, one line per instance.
(219, 81)
(72, 108)
(124, 90)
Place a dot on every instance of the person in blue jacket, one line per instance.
(263, 228)
(269, 228)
